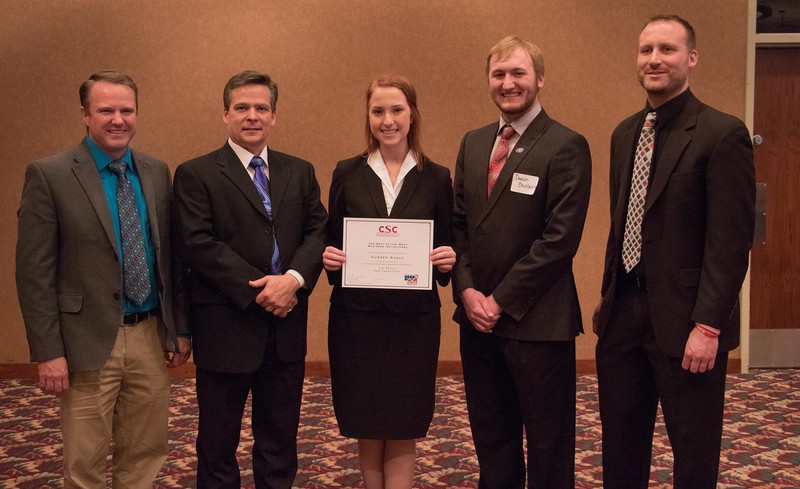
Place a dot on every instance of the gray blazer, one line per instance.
(68, 271)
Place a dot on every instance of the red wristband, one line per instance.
(706, 332)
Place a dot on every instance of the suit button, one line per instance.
(268, 229)
(116, 296)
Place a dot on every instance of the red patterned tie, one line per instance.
(499, 157)
(632, 240)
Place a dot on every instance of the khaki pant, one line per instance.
(127, 401)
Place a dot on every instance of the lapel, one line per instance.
(85, 170)
(478, 156)
(629, 139)
(673, 149)
(374, 186)
(145, 172)
(280, 173)
(410, 184)
(232, 168)
(521, 150)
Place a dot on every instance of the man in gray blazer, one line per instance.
(95, 285)
(521, 193)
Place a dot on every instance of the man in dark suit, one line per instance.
(99, 325)
(253, 232)
(682, 212)
(521, 193)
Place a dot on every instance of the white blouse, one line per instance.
(390, 192)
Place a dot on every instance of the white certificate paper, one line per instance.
(387, 253)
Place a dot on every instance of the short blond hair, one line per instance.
(506, 47)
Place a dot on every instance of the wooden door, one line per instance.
(775, 262)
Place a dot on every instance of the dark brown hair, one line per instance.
(250, 77)
(115, 77)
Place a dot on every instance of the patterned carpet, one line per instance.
(761, 443)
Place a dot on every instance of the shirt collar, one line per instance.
(102, 160)
(245, 156)
(666, 112)
(521, 124)
(375, 161)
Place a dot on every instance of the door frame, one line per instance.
(754, 41)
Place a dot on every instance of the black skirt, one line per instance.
(383, 372)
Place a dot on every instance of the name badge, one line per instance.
(524, 184)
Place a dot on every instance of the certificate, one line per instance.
(387, 253)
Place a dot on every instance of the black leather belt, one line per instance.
(138, 317)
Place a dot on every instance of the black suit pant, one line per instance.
(633, 375)
(277, 389)
(513, 385)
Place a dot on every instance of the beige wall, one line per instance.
(323, 53)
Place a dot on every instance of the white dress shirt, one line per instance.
(245, 157)
(520, 126)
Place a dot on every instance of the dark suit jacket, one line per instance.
(697, 228)
(519, 247)
(356, 191)
(227, 241)
(69, 275)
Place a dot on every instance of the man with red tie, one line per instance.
(521, 193)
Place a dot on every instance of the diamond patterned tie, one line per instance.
(262, 185)
(136, 276)
(499, 157)
(632, 240)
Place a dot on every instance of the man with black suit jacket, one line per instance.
(100, 325)
(521, 193)
(253, 231)
(676, 258)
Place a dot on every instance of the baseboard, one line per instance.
(582, 367)
(313, 369)
(29, 371)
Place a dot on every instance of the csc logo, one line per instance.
(387, 229)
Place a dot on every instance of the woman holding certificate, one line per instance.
(384, 343)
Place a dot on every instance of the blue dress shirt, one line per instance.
(109, 180)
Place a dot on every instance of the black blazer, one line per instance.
(519, 247)
(356, 192)
(227, 241)
(698, 224)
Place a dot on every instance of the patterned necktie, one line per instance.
(499, 157)
(262, 185)
(632, 240)
(136, 276)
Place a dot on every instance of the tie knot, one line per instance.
(507, 132)
(650, 119)
(257, 162)
(118, 167)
